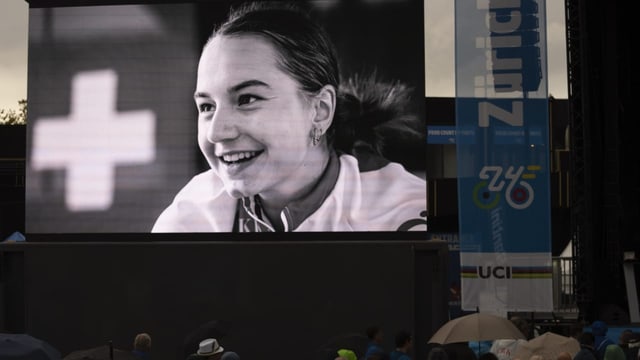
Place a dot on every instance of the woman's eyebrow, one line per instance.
(234, 88)
(201, 94)
(246, 84)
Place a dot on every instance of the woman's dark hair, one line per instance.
(306, 52)
(374, 116)
(370, 113)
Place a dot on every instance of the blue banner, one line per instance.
(503, 175)
(441, 134)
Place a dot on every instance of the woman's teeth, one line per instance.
(239, 156)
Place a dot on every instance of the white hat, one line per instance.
(209, 347)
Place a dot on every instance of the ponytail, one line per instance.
(374, 116)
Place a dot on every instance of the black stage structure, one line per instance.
(605, 206)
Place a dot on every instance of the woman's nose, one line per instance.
(221, 126)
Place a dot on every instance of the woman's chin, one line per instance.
(238, 192)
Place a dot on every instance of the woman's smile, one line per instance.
(235, 164)
(239, 157)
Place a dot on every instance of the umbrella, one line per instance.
(26, 347)
(100, 353)
(476, 327)
(548, 345)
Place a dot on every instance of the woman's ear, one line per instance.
(325, 106)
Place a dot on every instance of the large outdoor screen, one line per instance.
(124, 126)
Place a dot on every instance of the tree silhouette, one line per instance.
(12, 117)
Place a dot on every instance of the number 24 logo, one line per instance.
(519, 193)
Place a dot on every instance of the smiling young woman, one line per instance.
(290, 147)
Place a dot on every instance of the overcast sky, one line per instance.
(439, 21)
(13, 52)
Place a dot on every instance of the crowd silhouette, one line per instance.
(207, 342)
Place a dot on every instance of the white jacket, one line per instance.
(385, 199)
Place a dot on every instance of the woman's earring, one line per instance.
(316, 134)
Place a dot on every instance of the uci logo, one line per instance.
(498, 272)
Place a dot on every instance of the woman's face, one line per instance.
(254, 123)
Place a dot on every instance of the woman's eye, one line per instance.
(247, 99)
(205, 107)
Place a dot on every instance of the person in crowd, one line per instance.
(209, 349)
(564, 355)
(599, 329)
(623, 340)
(480, 347)
(633, 346)
(346, 354)
(403, 346)
(614, 352)
(629, 342)
(292, 147)
(505, 348)
(587, 350)
(374, 348)
(211, 329)
(230, 355)
(142, 346)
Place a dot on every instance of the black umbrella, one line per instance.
(26, 347)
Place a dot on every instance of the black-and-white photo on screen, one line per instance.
(226, 117)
